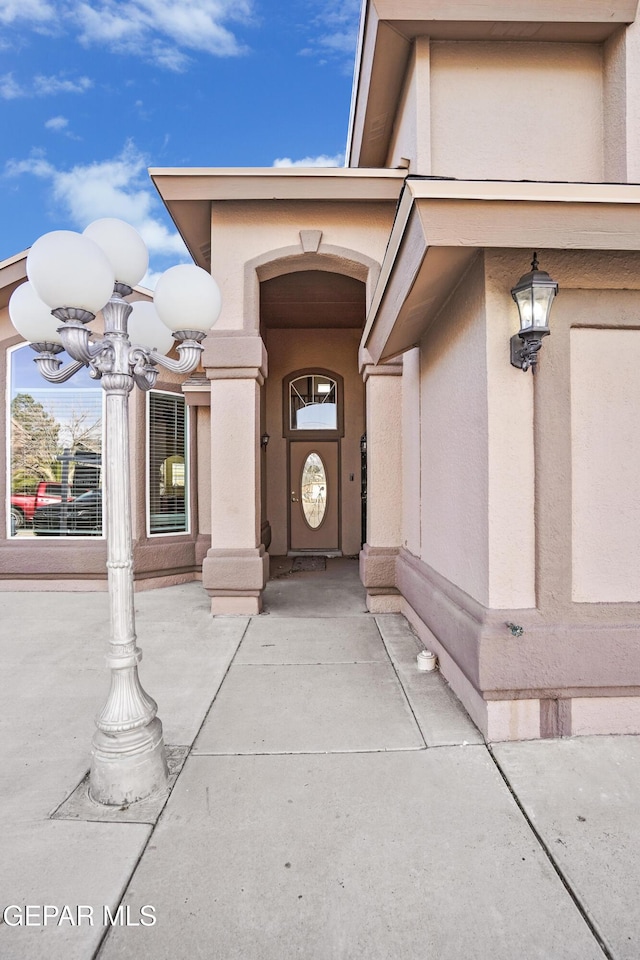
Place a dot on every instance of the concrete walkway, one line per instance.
(334, 803)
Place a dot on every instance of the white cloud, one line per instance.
(322, 161)
(108, 188)
(150, 279)
(48, 86)
(337, 21)
(9, 88)
(42, 86)
(36, 11)
(56, 123)
(160, 31)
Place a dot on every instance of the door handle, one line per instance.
(294, 499)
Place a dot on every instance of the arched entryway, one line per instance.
(313, 411)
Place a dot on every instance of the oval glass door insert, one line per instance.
(313, 492)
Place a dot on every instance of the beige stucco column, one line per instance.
(383, 385)
(235, 570)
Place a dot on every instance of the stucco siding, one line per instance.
(605, 447)
(454, 482)
(506, 110)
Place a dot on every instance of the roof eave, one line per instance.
(389, 28)
(441, 226)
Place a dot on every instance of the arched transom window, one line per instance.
(313, 403)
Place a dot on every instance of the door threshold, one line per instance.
(314, 553)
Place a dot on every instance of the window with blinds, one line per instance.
(167, 466)
(55, 452)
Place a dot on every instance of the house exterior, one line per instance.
(54, 432)
(502, 509)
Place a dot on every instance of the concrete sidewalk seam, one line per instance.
(404, 692)
(599, 937)
(154, 826)
(217, 693)
(311, 753)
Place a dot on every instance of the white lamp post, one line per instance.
(73, 276)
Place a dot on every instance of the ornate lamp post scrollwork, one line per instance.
(72, 277)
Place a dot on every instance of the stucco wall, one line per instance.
(605, 444)
(512, 553)
(512, 110)
(244, 231)
(621, 104)
(335, 350)
(203, 434)
(384, 459)
(454, 468)
(404, 139)
(411, 454)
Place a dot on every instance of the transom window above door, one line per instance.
(313, 403)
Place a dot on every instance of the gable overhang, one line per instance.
(389, 27)
(188, 193)
(13, 272)
(442, 225)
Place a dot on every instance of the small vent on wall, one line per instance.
(379, 126)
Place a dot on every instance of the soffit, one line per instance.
(13, 272)
(312, 298)
(188, 193)
(391, 26)
(441, 226)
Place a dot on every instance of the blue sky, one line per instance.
(92, 92)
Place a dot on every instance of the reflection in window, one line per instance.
(313, 403)
(55, 442)
(314, 490)
(167, 463)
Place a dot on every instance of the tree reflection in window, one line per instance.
(55, 446)
(314, 490)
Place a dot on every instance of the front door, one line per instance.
(314, 495)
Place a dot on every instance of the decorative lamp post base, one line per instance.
(129, 767)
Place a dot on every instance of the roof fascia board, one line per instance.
(188, 194)
(398, 234)
(13, 268)
(356, 79)
(459, 218)
(277, 183)
(522, 190)
(507, 11)
(13, 272)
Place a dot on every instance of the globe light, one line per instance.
(70, 270)
(32, 317)
(123, 246)
(146, 328)
(187, 298)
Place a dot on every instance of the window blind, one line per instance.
(167, 497)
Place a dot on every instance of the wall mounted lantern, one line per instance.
(264, 440)
(534, 293)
